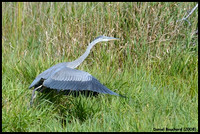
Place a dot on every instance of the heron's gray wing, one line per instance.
(72, 79)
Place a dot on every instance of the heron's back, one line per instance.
(47, 73)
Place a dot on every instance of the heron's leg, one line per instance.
(34, 95)
(42, 89)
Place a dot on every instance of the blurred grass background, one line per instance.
(155, 64)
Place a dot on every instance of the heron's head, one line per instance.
(105, 38)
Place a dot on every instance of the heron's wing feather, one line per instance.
(72, 79)
(101, 88)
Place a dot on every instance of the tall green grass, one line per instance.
(154, 64)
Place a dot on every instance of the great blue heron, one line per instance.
(63, 76)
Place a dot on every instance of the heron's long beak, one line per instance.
(112, 38)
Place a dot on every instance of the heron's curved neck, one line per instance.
(78, 61)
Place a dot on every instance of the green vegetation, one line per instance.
(155, 64)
